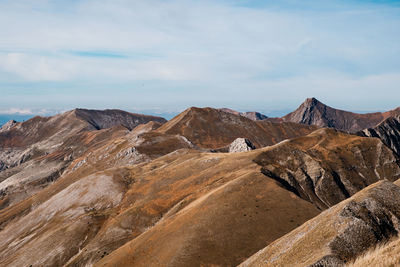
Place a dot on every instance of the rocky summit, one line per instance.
(313, 112)
(210, 187)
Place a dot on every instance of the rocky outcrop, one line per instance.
(340, 234)
(252, 115)
(8, 125)
(388, 131)
(313, 112)
(241, 145)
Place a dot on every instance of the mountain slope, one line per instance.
(102, 119)
(56, 128)
(388, 131)
(339, 234)
(313, 112)
(327, 166)
(33, 154)
(213, 128)
(165, 194)
(147, 212)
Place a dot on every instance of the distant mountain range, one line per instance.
(316, 187)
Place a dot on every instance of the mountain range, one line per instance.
(316, 187)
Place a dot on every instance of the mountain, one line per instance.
(37, 152)
(52, 129)
(313, 112)
(101, 119)
(111, 188)
(34, 153)
(338, 235)
(181, 209)
(213, 129)
(329, 172)
(252, 115)
(388, 131)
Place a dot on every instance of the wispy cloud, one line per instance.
(17, 111)
(192, 52)
(30, 111)
(98, 54)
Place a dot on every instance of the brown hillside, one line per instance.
(213, 128)
(186, 208)
(339, 234)
(35, 153)
(327, 166)
(388, 131)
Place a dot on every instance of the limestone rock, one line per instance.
(241, 145)
(8, 125)
(252, 115)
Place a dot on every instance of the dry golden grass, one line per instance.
(383, 255)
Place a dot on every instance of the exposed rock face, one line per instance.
(8, 125)
(252, 115)
(388, 131)
(328, 166)
(313, 112)
(213, 129)
(241, 145)
(102, 119)
(340, 234)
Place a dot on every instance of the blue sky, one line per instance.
(159, 56)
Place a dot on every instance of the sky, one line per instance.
(161, 56)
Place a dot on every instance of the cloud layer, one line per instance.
(173, 54)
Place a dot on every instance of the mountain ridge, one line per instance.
(314, 112)
(214, 128)
(98, 188)
(388, 131)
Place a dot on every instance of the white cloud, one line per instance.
(186, 40)
(30, 111)
(37, 67)
(200, 51)
(17, 111)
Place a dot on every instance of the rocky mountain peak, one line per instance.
(312, 100)
(314, 112)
